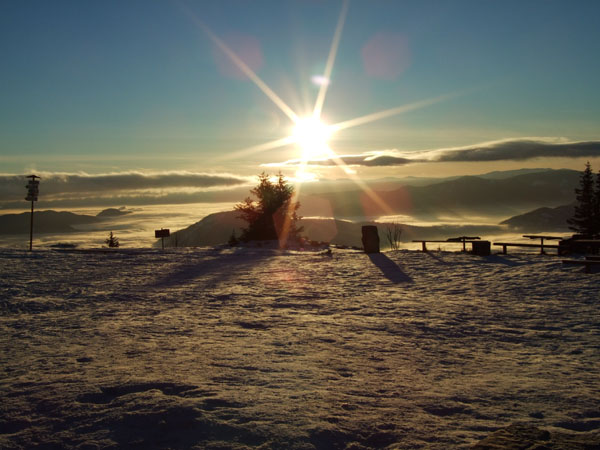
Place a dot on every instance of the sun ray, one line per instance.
(287, 220)
(330, 61)
(360, 183)
(391, 112)
(288, 140)
(299, 138)
(247, 70)
(372, 194)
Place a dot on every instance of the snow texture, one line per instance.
(256, 348)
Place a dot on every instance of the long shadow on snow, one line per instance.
(437, 258)
(215, 269)
(491, 259)
(389, 268)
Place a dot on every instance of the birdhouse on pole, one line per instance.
(33, 190)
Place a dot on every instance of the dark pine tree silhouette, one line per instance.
(274, 215)
(584, 219)
(112, 240)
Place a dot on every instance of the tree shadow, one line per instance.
(389, 268)
(437, 258)
(213, 269)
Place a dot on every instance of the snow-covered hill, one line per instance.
(542, 219)
(249, 348)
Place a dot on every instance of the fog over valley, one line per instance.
(433, 208)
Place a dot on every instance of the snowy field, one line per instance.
(239, 348)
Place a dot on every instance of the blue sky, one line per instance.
(109, 86)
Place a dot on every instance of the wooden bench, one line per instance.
(589, 261)
(522, 244)
(460, 239)
(464, 240)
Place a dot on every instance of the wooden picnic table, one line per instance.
(541, 237)
(523, 244)
(463, 239)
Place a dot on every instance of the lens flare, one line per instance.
(310, 134)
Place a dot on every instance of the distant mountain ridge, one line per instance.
(114, 212)
(462, 196)
(503, 174)
(49, 221)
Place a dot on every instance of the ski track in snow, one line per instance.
(242, 348)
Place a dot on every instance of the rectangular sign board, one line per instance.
(33, 190)
(162, 233)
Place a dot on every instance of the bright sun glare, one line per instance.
(312, 135)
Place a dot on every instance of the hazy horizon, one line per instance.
(73, 191)
(413, 202)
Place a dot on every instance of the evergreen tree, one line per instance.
(585, 218)
(112, 240)
(273, 216)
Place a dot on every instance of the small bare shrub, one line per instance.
(392, 233)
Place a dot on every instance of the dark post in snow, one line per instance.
(32, 195)
(162, 233)
(370, 239)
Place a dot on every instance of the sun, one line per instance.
(311, 135)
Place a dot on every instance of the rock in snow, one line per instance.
(257, 348)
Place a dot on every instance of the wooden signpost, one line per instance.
(162, 233)
(33, 190)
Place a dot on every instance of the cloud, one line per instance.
(75, 186)
(504, 150)
(517, 150)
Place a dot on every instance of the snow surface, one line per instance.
(255, 348)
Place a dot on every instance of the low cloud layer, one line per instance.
(519, 150)
(67, 187)
(505, 150)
